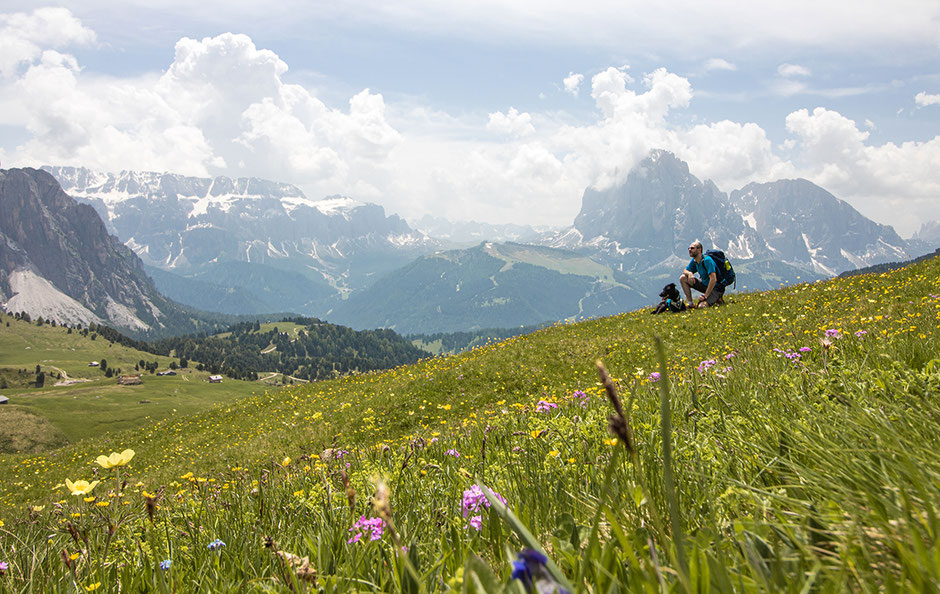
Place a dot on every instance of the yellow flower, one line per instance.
(610, 442)
(103, 503)
(74, 556)
(115, 459)
(285, 461)
(89, 499)
(81, 487)
(93, 587)
(554, 453)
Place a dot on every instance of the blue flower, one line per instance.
(530, 569)
(216, 544)
(164, 565)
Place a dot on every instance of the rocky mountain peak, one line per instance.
(58, 260)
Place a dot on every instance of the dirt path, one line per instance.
(65, 380)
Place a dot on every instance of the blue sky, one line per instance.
(486, 110)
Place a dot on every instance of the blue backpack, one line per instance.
(724, 272)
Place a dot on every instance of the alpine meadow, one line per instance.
(784, 442)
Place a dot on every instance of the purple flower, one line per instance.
(164, 565)
(706, 365)
(545, 406)
(579, 394)
(476, 522)
(860, 333)
(654, 377)
(4, 566)
(832, 333)
(453, 452)
(363, 526)
(730, 356)
(805, 349)
(474, 500)
(216, 544)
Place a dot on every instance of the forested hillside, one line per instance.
(317, 350)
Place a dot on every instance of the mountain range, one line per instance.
(249, 246)
(57, 261)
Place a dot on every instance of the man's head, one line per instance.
(695, 249)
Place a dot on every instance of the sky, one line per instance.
(487, 110)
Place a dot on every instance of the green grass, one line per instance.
(97, 404)
(762, 471)
(289, 327)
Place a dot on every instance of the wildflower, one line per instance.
(80, 487)
(706, 365)
(374, 527)
(805, 349)
(545, 406)
(92, 587)
(579, 394)
(832, 333)
(215, 545)
(453, 452)
(654, 377)
(474, 500)
(476, 522)
(530, 568)
(286, 461)
(164, 565)
(115, 459)
(4, 566)
(860, 333)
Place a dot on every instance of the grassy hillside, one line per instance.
(788, 444)
(78, 401)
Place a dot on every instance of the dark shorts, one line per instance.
(717, 292)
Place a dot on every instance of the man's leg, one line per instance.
(712, 299)
(687, 280)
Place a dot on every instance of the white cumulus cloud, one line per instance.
(924, 99)
(513, 122)
(573, 82)
(221, 103)
(24, 36)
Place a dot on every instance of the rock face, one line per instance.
(58, 261)
(657, 212)
(805, 225)
(776, 232)
(188, 225)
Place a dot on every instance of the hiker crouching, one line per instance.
(707, 281)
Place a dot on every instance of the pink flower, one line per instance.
(545, 406)
(476, 522)
(371, 526)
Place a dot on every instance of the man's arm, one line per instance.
(712, 281)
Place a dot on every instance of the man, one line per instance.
(707, 272)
